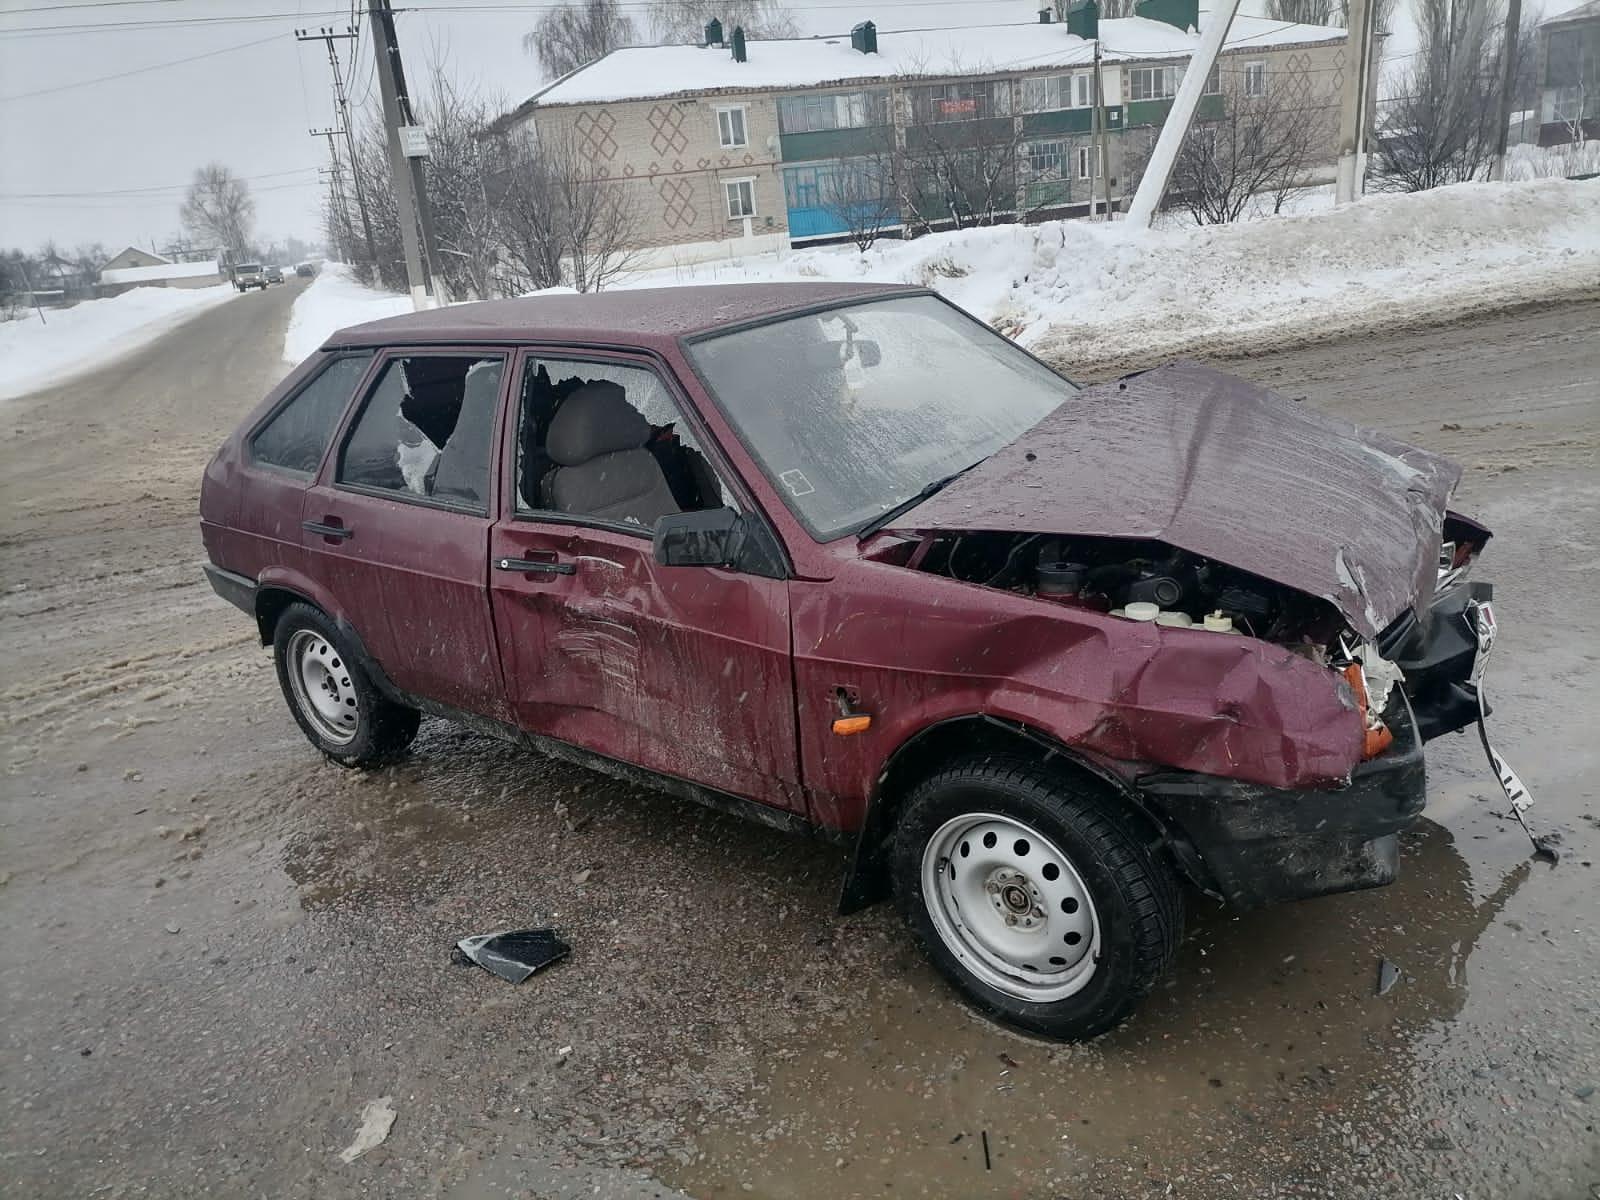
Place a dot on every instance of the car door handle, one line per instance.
(532, 566)
(338, 532)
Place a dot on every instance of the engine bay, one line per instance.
(1136, 580)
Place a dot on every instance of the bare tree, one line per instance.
(572, 35)
(1439, 123)
(685, 20)
(1109, 10)
(860, 193)
(1263, 144)
(218, 208)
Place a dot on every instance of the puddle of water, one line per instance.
(1268, 1028)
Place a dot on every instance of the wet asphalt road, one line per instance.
(218, 949)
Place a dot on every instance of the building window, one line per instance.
(730, 127)
(1048, 93)
(1152, 83)
(1252, 141)
(1085, 164)
(1045, 159)
(741, 195)
(1214, 80)
(840, 110)
(961, 101)
(1255, 79)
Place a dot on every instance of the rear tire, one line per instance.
(1036, 897)
(333, 699)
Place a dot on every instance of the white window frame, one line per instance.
(1255, 79)
(730, 189)
(1082, 90)
(1083, 161)
(725, 113)
(1165, 79)
(1214, 81)
(1046, 157)
(1056, 93)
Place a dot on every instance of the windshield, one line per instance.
(243, 267)
(855, 410)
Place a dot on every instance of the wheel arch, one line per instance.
(933, 746)
(274, 597)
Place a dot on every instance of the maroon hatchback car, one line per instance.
(845, 559)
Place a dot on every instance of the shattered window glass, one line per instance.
(297, 436)
(426, 430)
(854, 410)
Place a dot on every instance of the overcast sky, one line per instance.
(86, 158)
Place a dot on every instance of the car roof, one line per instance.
(635, 316)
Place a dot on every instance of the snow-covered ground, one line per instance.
(1553, 162)
(333, 300)
(1091, 293)
(69, 341)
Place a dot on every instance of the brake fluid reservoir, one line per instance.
(1175, 620)
(1142, 610)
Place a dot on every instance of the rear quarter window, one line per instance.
(296, 436)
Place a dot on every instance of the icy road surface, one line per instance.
(219, 951)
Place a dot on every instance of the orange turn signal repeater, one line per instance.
(1376, 735)
(850, 720)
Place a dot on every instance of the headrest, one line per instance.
(594, 420)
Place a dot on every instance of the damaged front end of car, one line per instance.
(1283, 598)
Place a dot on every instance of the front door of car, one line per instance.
(400, 524)
(682, 670)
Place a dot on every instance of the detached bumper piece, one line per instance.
(1440, 660)
(1261, 846)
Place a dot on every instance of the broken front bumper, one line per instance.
(1256, 845)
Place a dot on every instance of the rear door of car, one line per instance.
(682, 670)
(399, 522)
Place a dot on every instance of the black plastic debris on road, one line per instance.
(513, 955)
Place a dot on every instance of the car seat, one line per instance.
(597, 441)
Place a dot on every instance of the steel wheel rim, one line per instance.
(323, 688)
(979, 869)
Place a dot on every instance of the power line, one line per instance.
(165, 23)
(82, 83)
(54, 8)
(168, 187)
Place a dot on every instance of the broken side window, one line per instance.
(425, 430)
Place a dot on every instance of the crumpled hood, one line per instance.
(1220, 467)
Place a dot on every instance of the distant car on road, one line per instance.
(273, 274)
(305, 270)
(249, 275)
(841, 557)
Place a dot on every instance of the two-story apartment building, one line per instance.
(1568, 71)
(729, 149)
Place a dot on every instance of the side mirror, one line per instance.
(712, 537)
(868, 352)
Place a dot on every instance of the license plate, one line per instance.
(1481, 614)
(1510, 783)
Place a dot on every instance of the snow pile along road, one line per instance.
(37, 354)
(1091, 294)
(333, 301)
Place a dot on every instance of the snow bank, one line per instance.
(194, 270)
(333, 301)
(1084, 293)
(73, 340)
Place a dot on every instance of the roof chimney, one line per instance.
(713, 32)
(738, 44)
(1180, 14)
(864, 37)
(1083, 19)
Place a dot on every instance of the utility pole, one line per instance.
(408, 145)
(326, 34)
(1353, 116)
(1101, 140)
(1509, 50)
(336, 191)
(1154, 184)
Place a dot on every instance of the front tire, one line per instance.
(333, 699)
(1036, 897)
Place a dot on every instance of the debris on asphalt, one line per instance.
(1388, 976)
(987, 1165)
(1584, 1092)
(1010, 1062)
(173, 927)
(515, 954)
(377, 1118)
(583, 875)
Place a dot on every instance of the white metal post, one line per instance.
(1352, 168)
(1154, 184)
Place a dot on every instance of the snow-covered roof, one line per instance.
(1584, 12)
(160, 271)
(644, 72)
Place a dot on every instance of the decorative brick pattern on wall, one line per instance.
(667, 134)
